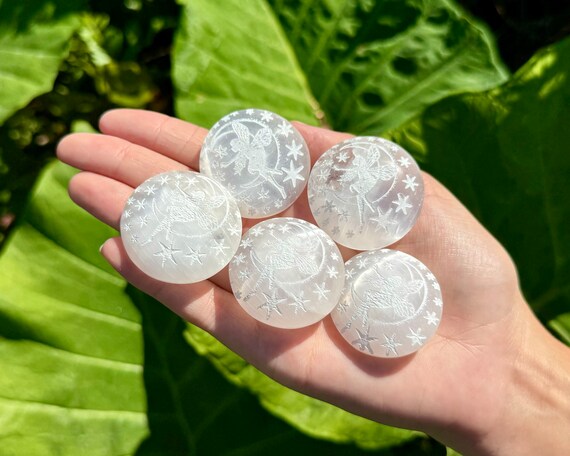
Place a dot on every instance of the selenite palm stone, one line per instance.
(366, 192)
(260, 158)
(287, 273)
(391, 304)
(181, 227)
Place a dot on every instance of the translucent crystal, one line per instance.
(287, 273)
(260, 158)
(366, 192)
(181, 227)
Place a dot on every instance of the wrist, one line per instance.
(536, 412)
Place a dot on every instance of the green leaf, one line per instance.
(34, 40)
(232, 55)
(504, 154)
(374, 64)
(70, 340)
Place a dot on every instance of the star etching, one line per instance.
(246, 242)
(402, 204)
(349, 274)
(438, 302)
(130, 201)
(321, 291)
(143, 221)
(416, 337)
(140, 204)
(239, 259)
(243, 274)
(150, 190)
(363, 341)
(127, 213)
(234, 231)
(220, 246)
(285, 129)
(299, 302)
(262, 194)
(294, 150)
(164, 180)
(266, 116)
(431, 318)
(332, 272)
(383, 220)
(284, 228)
(404, 161)
(167, 254)
(194, 255)
(391, 345)
(293, 174)
(257, 231)
(410, 182)
(271, 304)
(362, 263)
(342, 157)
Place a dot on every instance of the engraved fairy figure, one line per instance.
(185, 207)
(250, 148)
(295, 253)
(389, 294)
(363, 174)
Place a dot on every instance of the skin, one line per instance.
(492, 381)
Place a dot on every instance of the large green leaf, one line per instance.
(374, 64)
(504, 153)
(34, 38)
(231, 55)
(370, 65)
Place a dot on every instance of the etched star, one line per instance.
(362, 263)
(150, 190)
(349, 234)
(349, 274)
(438, 302)
(219, 246)
(194, 256)
(140, 204)
(257, 230)
(247, 242)
(431, 318)
(130, 201)
(127, 227)
(143, 221)
(243, 274)
(334, 256)
(416, 337)
(191, 180)
(402, 204)
(234, 231)
(363, 341)
(436, 286)
(266, 116)
(164, 180)
(285, 129)
(278, 204)
(299, 302)
(294, 150)
(271, 304)
(430, 276)
(404, 161)
(167, 253)
(293, 174)
(127, 213)
(343, 215)
(383, 220)
(321, 291)
(249, 112)
(332, 272)
(263, 194)
(322, 174)
(391, 345)
(284, 228)
(342, 157)
(410, 182)
(329, 206)
(336, 230)
(221, 151)
(239, 259)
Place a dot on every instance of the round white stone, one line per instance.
(287, 273)
(391, 304)
(366, 192)
(180, 227)
(260, 158)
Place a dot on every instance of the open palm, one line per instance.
(454, 388)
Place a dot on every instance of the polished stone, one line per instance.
(181, 227)
(366, 192)
(287, 273)
(260, 158)
(391, 304)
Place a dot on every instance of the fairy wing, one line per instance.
(387, 172)
(241, 131)
(414, 286)
(372, 156)
(262, 138)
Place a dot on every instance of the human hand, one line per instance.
(469, 386)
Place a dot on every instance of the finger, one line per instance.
(319, 140)
(101, 196)
(181, 141)
(114, 157)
